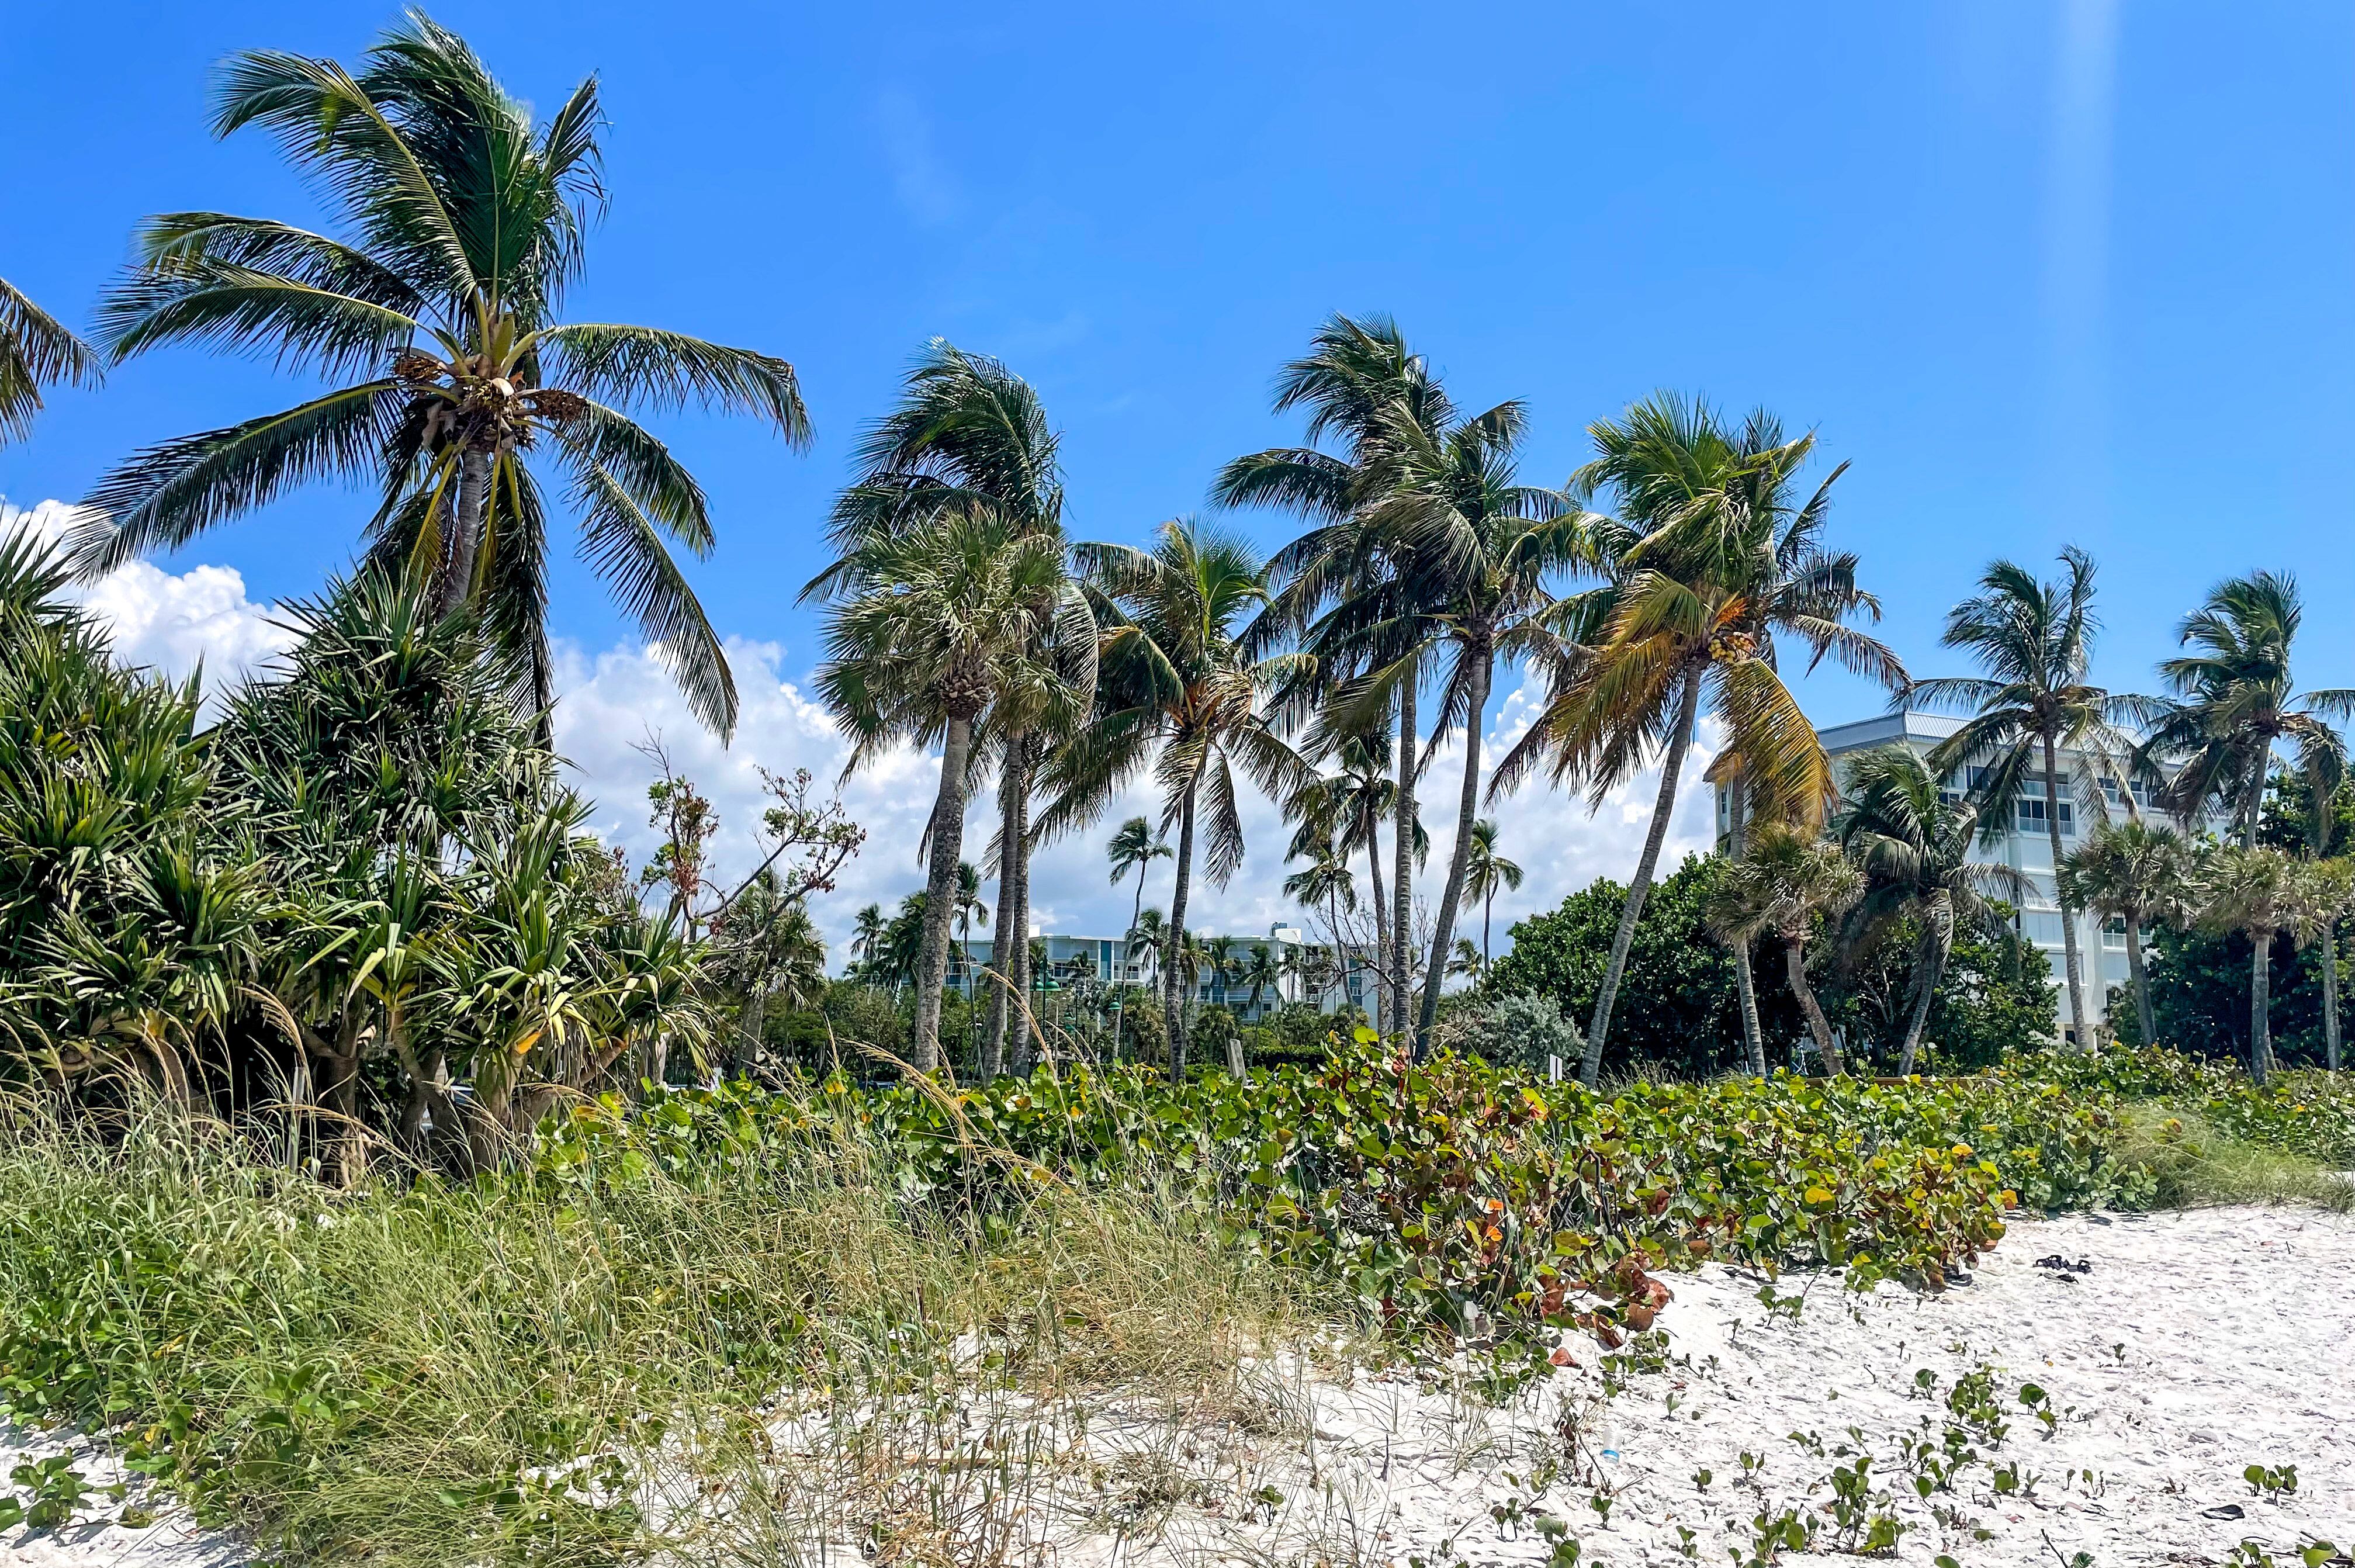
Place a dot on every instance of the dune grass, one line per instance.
(2189, 1163)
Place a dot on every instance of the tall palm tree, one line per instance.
(1345, 808)
(2134, 871)
(1135, 848)
(933, 629)
(2259, 893)
(867, 937)
(1712, 559)
(2036, 641)
(1914, 846)
(968, 432)
(1183, 699)
(1789, 879)
(436, 317)
(1486, 872)
(2233, 702)
(1359, 384)
(1149, 938)
(1476, 553)
(1219, 951)
(1260, 971)
(35, 353)
(969, 909)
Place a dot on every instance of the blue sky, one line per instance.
(2067, 271)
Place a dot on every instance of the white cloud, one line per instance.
(614, 701)
(926, 188)
(166, 620)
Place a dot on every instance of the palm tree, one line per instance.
(35, 352)
(935, 627)
(2036, 640)
(1360, 383)
(2233, 702)
(1149, 938)
(2132, 871)
(1485, 873)
(867, 938)
(1347, 808)
(1219, 953)
(1913, 845)
(1789, 878)
(1465, 961)
(768, 950)
(1712, 559)
(1475, 553)
(1260, 971)
(437, 318)
(1183, 698)
(2258, 893)
(967, 431)
(1135, 848)
(969, 908)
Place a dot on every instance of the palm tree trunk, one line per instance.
(1174, 943)
(1009, 836)
(466, 530)
(2139, 979)
(1679, 741)
(2330, 995)
(940, 892)
(2077, 1014)
(1745, 991)
(2261, 1024)
(1487, 911)
(1017, 1049)
(1745, 986)
(1467, 808)
(1932, 970)
(1402, 845)
(1381, 1009)
(1794, 960)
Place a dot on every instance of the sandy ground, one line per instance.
(2195, 1346)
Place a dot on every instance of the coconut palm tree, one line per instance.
(1135, 848)
(1713, 559)
(1789, 879)
(1485, 872)
(1220, 955)
(2036, 641)
(1465, 962)
(1362, 385)
(436, 317)
(968, 432)
(1347, 808)
(1913, 845)
(1475, 555)
(768, 950)
(867, 938)
(969, 909)
(2134, 871)
(935, 626)
(1182, 699)
(1260, 972)
(1149, 938)
(2258, 893)
(2233, 702)
(35, 353)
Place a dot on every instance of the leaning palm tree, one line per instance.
(1714, 558)
(1789, 880)
(1485, 872)
(2258, 893)
(2134, 871)
(1135, 848)
(2036, 640)
(1360, 385)
(936, 627)
(968, 432)
(1475, 555)
(437, 318)
(35, 353)
(1914, 846)
(1183, 699)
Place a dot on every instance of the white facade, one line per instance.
(2026, 847)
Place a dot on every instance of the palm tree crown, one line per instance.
(35, 353)
(2134, 871)
(437, 316)
(1788, 881)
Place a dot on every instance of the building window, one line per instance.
(2041, 927)
(2113, 932)
(2031, 815)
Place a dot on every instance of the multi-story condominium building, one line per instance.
(1073, 959)
(2025, 845)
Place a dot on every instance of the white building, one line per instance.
(2026, 846)
(1072, 959)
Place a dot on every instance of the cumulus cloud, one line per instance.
(169, 622)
